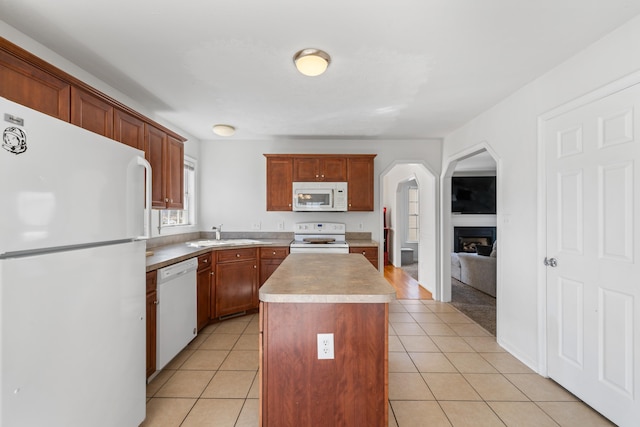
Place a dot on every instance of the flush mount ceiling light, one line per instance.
(224, 130)
(311, 62)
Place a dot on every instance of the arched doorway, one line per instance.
(427, 243)
(478, 161)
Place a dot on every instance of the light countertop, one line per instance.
(326, 278)
(176, 252)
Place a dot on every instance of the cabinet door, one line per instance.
(128, 129)
(91, 113)
(236, 287)
(155, 141)
(152, 301)
(333, 169)
(203, 296)
(306, 169)
(270, 260)
(27, 85)
(360, 179)
(279, 183)
(174, 174)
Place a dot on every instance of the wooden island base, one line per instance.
(311, 294)
(298, 389)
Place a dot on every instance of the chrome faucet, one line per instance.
(217, 229)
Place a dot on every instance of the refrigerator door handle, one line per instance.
(147, 197)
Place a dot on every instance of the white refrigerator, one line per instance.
(72, 275)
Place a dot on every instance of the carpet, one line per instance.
(480, 307)
(475, 304)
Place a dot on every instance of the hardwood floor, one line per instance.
(406, 286)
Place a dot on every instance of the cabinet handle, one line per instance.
(289, 204)
(166, 199)
(316, 175)
(238, 255)
(156, 302)
(322, 176)
(212, 273)
(274, 252)
(255, 266)
(205, 261)
(364, 252)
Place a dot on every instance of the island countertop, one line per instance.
(326, 278)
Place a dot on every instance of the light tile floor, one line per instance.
(444, 370)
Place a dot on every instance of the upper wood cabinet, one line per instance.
(355, 169)
(174, 174)
(331, 169)
(128, 129)
(166, 156)
(279, 183)
(91, 113)
(28, 85)
(360, 183)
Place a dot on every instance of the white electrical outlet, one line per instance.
(325, 346)
(281, 225)
(255, 226)
(360, 226)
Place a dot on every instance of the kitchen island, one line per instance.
(311, 294)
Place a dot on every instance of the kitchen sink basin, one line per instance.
(222, 242)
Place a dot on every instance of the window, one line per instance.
(413, 211)
(186, 216)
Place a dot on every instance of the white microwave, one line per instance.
(320, 196)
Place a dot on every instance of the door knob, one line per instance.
(551, 262)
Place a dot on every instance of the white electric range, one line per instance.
(319, 237)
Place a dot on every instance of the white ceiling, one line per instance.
(408, 69)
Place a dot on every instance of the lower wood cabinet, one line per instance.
(204, 290)
(369, 252)
(236, 280)
(152, 303)
(270, 259)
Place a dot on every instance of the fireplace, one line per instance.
(465, 239)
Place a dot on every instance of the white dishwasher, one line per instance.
(176, 315)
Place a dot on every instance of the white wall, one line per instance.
(510, 129)
(233, 180)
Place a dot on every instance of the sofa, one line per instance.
(477, 271)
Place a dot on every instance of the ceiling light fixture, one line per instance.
(224, 130)
(311, 62)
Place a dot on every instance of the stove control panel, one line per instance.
(319, 228)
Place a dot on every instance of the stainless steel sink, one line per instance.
(222, 242)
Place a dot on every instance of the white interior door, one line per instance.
(593, 293)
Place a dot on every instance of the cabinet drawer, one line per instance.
(369, 252)
(204, 261)
(276, 252)
(231, 255)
